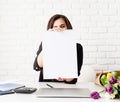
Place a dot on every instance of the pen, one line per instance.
(49, 85)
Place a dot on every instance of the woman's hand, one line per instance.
(60, 79)
(40, 60)
(65, 79)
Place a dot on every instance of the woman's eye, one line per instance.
(62, 26)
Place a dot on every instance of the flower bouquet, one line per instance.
(111, 83)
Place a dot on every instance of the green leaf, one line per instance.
(115, 74)
(119, 89)
(115, 86)
(115, 92)
(103, 80)
(118, 78)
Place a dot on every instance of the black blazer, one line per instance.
(79, 64)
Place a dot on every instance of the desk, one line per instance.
(32, 97)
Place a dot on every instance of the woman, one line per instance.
(58, 23)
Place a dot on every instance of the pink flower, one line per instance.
(112, 80)
(95, 95)
(109, 89)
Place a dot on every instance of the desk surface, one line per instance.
(32, 97)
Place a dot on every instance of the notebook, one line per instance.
(63, 93)
(10, 86)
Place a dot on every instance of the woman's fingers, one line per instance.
(60, 79)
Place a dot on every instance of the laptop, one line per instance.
(63, 93)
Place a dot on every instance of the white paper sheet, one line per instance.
(59, 55)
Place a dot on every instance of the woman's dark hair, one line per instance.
(55, 17)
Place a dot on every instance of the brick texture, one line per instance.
(22, 23)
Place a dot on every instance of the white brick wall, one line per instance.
(22, 21)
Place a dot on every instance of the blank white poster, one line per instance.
(59, 55)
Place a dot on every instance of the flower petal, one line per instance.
(95, 95)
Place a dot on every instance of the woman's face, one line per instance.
(59, 25)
